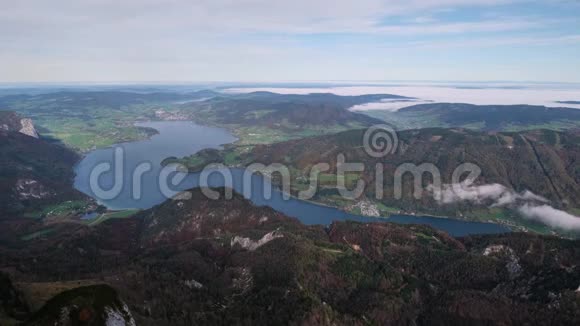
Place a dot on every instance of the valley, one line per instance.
(268, 118)
(177, 138)
(62, 248)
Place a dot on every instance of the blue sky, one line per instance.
(299, 40)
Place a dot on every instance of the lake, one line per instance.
(182, 138)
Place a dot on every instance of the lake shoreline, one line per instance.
(181, 138)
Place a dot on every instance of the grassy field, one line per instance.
(37, 234)
(110, 215)
(266, 135)
(82, 137)
(89, 127)
(559, 125)
(85, 134)
(84, 125)
(386, 210)
(65, 209)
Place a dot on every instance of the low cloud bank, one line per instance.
(550, 216)
(526, 203)
(495, 193)
(472, 93)
(387, 105)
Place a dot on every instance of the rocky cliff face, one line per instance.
(90, 305)
(35, 173)
(11, 121)
(27, 128)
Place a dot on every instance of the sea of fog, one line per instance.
(481, 94)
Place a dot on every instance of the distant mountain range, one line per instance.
(77, 117)
(85, 120)
(258, 108)
(284, 111)
(481, 117)
(76, 100)
(568, 102)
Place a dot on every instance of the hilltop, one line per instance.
(263, 117)
(481, 117)
(515, 167)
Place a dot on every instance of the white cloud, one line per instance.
(528, 204)
(477, 93)
(130, 20)
(457, 28)
(386, 104)
(495, 193)
(182, 21)
(550, 216)
(314, 39)
(486, 42)
(298, 16)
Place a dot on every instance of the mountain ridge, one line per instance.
(540, 162)
(348, 273)
(35, 172)
(481, 117)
